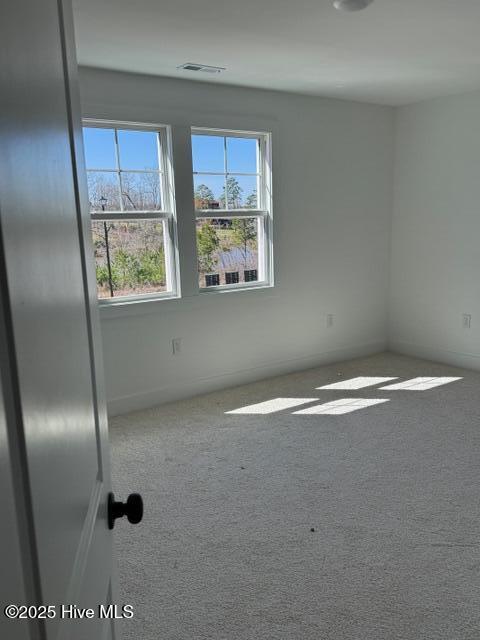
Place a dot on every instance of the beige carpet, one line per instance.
(226, 550)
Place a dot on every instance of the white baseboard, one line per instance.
(194, 387)
(445, 356)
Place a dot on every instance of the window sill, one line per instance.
(177, 304)
(135, 306)
(236, 288)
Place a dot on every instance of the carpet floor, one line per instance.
(360, 526)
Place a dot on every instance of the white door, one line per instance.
(58, 426)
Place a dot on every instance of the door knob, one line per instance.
(132, 508)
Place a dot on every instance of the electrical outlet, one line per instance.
(329, 320)
(466, 320)
(176, 346)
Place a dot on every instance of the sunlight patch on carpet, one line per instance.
(270, 406)
(419, 384)
(358, 383)
(340, 407)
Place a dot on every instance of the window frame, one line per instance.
(167, 213)
(263, 213)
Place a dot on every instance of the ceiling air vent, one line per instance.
(204, 68)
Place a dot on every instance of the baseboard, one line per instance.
(445, 356)
(195, 387)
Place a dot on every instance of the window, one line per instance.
(132, 208)
(130, 189)
(232, 197)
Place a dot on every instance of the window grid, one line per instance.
(260, 209)
(163, 145)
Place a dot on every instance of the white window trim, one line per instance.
(264, 213)
(167, 214)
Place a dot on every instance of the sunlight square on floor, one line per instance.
(270, 406)
(420, 383)
(340, 407)
(358, 383)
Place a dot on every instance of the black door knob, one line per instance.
(132, 508)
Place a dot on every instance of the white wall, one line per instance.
(435, 272)
(332, 164)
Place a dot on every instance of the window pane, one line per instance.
(141, 191)
(103, 191)
(208, 153)
(209, 192)
(138, 149)
(227, 251)
(135, 261)
(242, 192)
(99, 148)
(242, 155)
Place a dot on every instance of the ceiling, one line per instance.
(394, 52)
